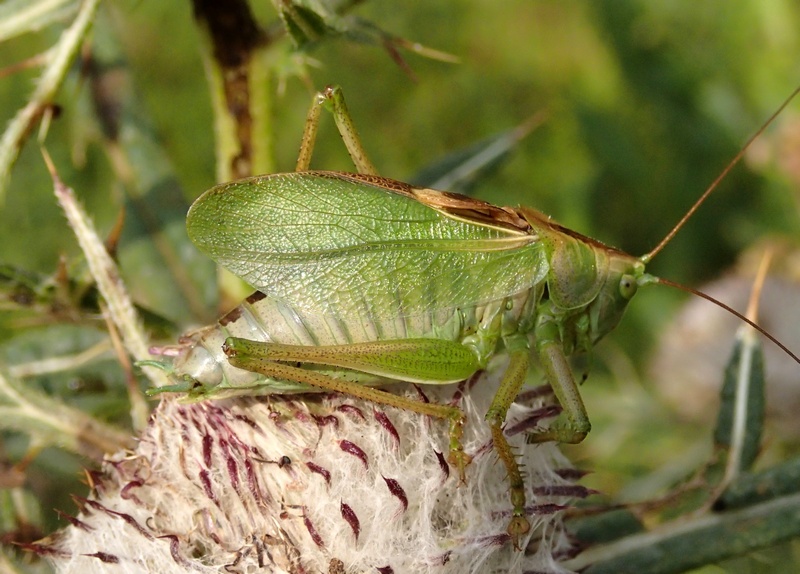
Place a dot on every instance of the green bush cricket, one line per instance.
(363, 281)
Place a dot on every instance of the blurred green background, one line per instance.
(646, 103)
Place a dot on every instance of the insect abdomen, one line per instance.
(263, 318)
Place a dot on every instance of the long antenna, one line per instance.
(732, 311)
(715, 183)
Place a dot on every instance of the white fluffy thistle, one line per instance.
(314, 483)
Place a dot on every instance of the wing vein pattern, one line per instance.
(328, 244)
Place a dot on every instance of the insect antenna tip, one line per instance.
(733, 312)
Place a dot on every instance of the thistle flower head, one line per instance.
(314, 483)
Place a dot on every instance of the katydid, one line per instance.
(363, 281)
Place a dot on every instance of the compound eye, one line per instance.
(628, 286)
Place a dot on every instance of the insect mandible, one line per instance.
(364, 280)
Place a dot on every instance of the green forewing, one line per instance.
(326, 243)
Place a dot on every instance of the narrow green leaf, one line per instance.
(463, 169)
(59, 60)
(18, 17)
(702, 540)
(161, 267)
(304, 24)
(780, 480)
(740, 421)
(605, 527)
